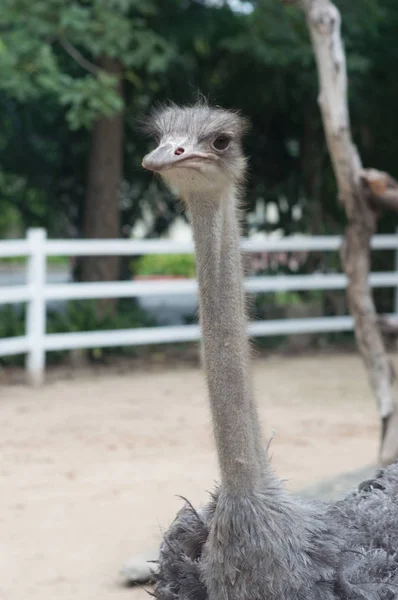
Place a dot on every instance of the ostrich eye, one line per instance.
(221, 142)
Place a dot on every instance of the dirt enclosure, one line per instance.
(89, 468)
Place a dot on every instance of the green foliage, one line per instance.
(287, 298)
(9, 219)
(85, 316)
(22, 260)
(88, 97)
(165, 264)
(260, 62)
(53, 80)
(12, 324)
(291, 298)
(12, 321)
(77, 316)
(52, 48)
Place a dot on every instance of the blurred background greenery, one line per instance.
(76, 76)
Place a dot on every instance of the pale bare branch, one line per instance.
(382, 187)
(323, 20)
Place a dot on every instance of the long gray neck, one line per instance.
(226, 352)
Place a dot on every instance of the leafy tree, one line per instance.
(53, 48)
(260, 62)
(79, 53)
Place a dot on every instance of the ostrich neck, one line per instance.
(225, 344)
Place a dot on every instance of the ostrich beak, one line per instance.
(169, 155)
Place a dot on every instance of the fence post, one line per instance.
(36, 308)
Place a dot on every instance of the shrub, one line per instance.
(76, 316)
(84, 316)
(182, 265)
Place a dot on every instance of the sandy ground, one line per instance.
(89, 468)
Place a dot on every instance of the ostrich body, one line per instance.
(253, 540)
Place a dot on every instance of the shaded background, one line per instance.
(76, 77)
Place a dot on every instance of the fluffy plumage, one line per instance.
(201, 120)
(347, 550)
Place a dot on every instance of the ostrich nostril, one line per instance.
(179, 151)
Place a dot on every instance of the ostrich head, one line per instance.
(199, 148)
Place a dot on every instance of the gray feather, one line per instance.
(347, 550)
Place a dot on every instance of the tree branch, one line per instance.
(78, 57)
(383, 188)
(323, 21)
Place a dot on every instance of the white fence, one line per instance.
(36, 292)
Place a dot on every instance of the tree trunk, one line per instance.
(102, 215)
(355, 255)
(323, 21)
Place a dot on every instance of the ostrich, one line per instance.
(253, 540)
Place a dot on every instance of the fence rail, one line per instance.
(36, 292)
